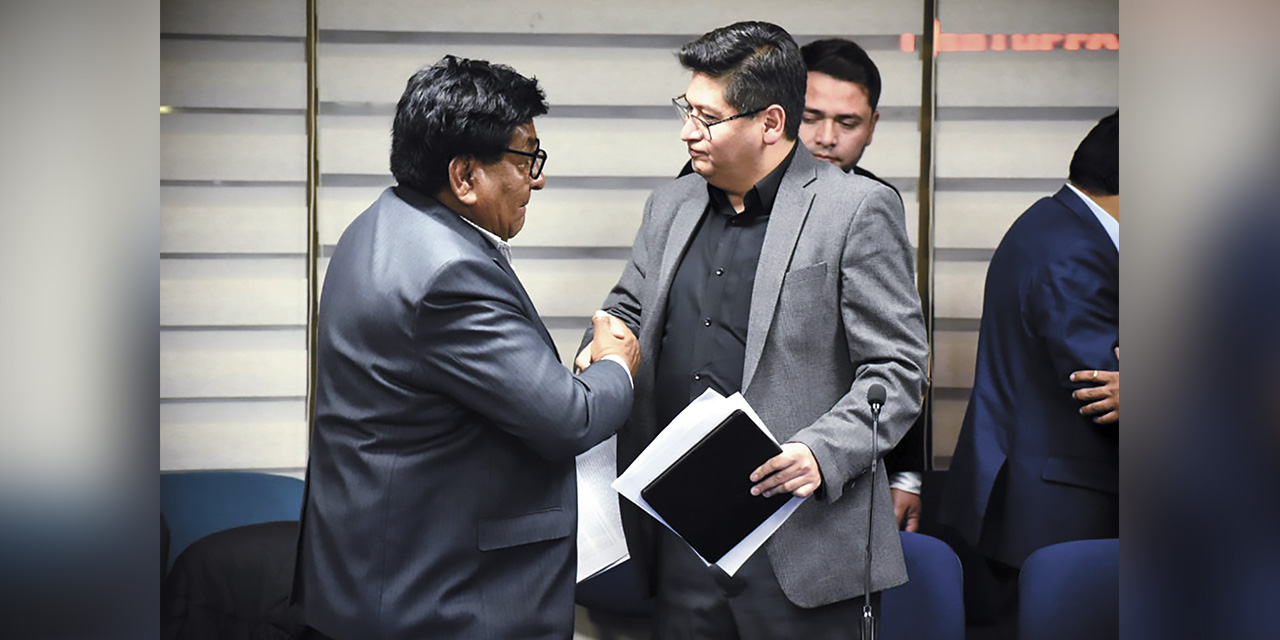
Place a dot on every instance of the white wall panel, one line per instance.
(233, 220)
(1029, 16)
(569, 75)
(953, 357)
(246, 445)
(1029, 79)
(978, 219)
(568, 287)
(947, 418)
(221, 146)
(583, 218)
(652, 17)
(208, 302)
(894, 151)
(202, 73)
(1007, 149)
(958, 288)
(234, 17)
(230, 364)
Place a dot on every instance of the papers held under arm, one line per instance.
(601, 543)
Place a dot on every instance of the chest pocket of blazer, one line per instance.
(802, 275)
(539, 526)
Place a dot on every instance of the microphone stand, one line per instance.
(868, 618)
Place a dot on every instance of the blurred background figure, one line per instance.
(1030, 468)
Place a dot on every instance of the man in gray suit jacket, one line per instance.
(441, 495)
(774, 274)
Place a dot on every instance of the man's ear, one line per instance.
(871, 127)
(462, 179)
(775, 123)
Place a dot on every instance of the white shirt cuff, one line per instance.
(906, 481)
(613, 357)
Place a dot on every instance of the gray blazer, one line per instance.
(441, 495)
(834, 310)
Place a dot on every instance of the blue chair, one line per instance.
(1071, 590)
(198, 503)
(930, 606)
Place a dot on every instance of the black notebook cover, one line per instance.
(706, 495)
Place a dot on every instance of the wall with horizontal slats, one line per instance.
(233, 288)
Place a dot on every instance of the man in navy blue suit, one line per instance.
(1030, 467)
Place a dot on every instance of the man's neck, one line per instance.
(769, 160)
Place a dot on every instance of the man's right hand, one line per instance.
(610, 336)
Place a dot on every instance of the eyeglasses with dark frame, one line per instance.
(685, 111)
(539, 157)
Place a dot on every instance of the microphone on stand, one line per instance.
(876, 396)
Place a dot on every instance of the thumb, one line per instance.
(600, 321)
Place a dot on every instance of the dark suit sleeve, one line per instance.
(481, 348)
(1073, 307)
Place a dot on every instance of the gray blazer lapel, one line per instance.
(790, 209)
(682, 228)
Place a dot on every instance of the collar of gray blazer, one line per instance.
(790, 210)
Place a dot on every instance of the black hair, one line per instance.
(1095, 167)
(844, 60)
(458, 108)
(761, 63)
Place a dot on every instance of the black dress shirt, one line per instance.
(704, 340)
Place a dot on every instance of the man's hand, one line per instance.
(610, 336)
(794, 471)
(906, 507)
(1104, 399)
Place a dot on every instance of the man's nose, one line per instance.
(539, 182)
(690, 131)
(826, 133)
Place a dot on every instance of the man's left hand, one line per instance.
(906, 507)
(793, 471)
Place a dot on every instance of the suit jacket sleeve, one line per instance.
(493, 358)
(884, 330)
(1071, 308)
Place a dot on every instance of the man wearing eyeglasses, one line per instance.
(441, 493)
(771, 273)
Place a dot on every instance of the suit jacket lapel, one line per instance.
(790, 210)
(682, 228)
(525, 300)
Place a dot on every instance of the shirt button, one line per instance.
(706, 322)
(697, 376)
(719, 272)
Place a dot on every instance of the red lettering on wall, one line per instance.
(950, 42)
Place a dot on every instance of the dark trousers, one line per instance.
(697, 602)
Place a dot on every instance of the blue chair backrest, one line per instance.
(931, 604)
(1071, 590)
(198, 503)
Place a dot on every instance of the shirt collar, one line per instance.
(501, 245)
(1110, 224)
